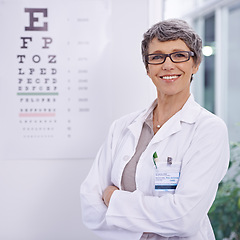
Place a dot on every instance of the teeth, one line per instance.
(169, 77)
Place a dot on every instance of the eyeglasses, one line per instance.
(176, 57)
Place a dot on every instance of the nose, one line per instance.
(168, 64)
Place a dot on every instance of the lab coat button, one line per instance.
(126, 158)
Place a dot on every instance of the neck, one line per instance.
(167, 106)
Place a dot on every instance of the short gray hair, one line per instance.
(169, 30)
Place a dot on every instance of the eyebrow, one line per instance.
(174, 50)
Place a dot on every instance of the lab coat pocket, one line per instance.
(166, 177)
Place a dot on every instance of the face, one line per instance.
(171, 79)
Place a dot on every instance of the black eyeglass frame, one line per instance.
(190, 54)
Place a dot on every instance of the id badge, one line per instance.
(167, 176)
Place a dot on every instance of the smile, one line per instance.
(170, 77)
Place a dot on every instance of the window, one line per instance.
(233, 106)
(209, 63)
(216, 86)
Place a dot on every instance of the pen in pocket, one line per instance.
(155, 159)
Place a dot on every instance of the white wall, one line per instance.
(39, 199)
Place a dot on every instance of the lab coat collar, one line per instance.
(136, 126)
(190, 111)
(187, 114)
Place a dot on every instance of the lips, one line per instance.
(170, 78)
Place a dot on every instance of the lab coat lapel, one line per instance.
(136, 126)
(172, 126)
(188, 114)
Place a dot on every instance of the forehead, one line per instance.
(156, 46)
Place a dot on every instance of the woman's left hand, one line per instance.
(108, 193)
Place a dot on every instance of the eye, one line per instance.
(156, 57)
(180, 55)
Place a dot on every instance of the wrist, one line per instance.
(107, 194)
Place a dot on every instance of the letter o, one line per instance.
(36, 58)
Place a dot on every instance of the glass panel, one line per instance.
(209, 63)
(233, 74)
(177, 9)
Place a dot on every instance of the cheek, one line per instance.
(149, 73)
(152, 71)
(152, 77)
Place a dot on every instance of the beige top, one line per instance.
(128, 178)
(128, 182)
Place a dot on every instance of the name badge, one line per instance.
(167, 176)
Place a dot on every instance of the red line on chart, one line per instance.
(37, 114)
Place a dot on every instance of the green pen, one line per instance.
(155, 156)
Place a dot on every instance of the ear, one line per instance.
(195, 68)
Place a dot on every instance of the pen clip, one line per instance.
(155, 156)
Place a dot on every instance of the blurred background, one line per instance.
(68, 70)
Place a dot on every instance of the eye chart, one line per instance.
(54, 78)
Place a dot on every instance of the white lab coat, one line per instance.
(193, 136)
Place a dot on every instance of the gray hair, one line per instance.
(173, 29)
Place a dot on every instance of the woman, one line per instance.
(157, 174)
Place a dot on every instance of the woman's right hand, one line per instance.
(107, 194)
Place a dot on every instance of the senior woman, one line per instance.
(157, 174)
